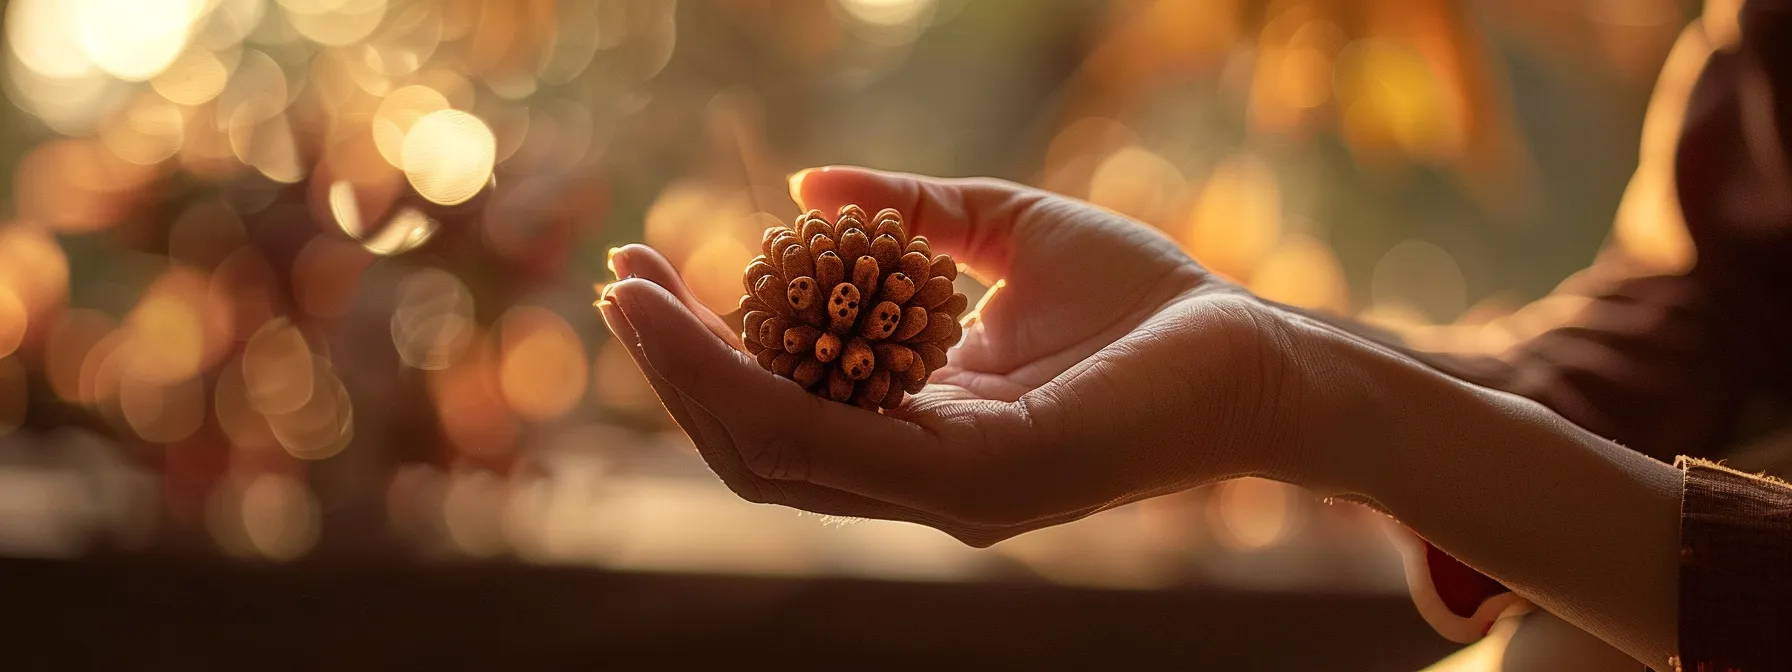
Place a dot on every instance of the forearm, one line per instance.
(1579, 525)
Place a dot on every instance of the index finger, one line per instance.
(973, 219)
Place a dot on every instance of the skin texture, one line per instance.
(1112, 368)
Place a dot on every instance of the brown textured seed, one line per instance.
(939, 325)
(857, 361)
(771, 333)
(771, 234)
(808, 372)
(853, 301)
(827, 347)
(897, 288)
(881, 322)
(853, 244)
(829, 270)
(913, 265)
(932, 293)
(797, 261)
(845, 224)
(759, 269)
(952, 338)
(886, 251)
(820, 244)
(843, 307)
(751, 323)
(914, 320)
(770, 291)
(931, 355)
(942, 266)
(886, 213)
(803, 292)
(839, 387)
(915, 377)
(894, 398)
(800, 339)
(785, 364)
(893, 356)
(955, 305)
(892, 227)
(864, 276)
(874, 388)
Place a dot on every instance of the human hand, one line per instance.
(1110, 368)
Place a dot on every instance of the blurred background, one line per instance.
(300, 290)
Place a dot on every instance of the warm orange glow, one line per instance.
(1250, 514)
(1302, 272)
(1136, 182)
(407, 230)
(1237, 219)
(14, 320)
(135, 39)
(176, 329)
(542, 374)
(162, 413)
(713, 272)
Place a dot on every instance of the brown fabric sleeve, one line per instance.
(1735, 570)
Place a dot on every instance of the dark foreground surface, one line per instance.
(134, 613)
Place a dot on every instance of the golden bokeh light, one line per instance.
(147, 131)
(616, 381)
(162, 412)
(406, 230)
(14, 320)
(543, 366)
(45, 36)
(1303, 272)
(713, 271)
(448, 156)
(268, 515)
(256, 91)
(471, 409)
(397, 113)
(1252, 514)
(267, 145)
(177, 328)
(1237, 218)
(277, 368)
(324, 424)
(334, 23)
(195, 77)
(433, 323)
(1136, 182)
(241, 423)
(134, 40)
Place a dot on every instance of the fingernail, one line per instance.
(610, 260)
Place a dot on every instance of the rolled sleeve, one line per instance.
(1735, 570)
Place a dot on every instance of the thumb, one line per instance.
(975, 220)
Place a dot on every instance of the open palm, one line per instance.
(1110, 367)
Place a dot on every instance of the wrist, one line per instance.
(1349, 389)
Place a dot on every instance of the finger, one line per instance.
(641, 261)
(973, 219)
(781, 431)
